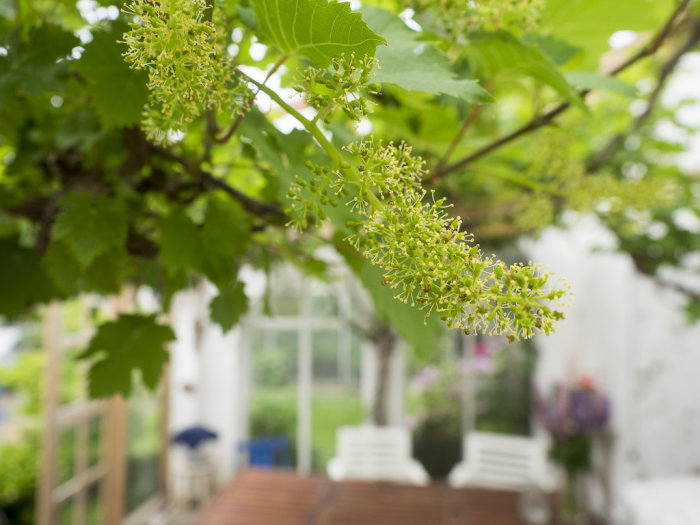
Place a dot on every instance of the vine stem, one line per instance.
(312, 128)
(249, 105)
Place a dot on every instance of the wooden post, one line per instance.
(115, 461)
(51, 332)
(113, 493)
(163, 464)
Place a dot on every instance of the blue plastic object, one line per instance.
(268, 452)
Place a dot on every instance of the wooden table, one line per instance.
(276, 497)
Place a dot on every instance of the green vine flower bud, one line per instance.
(343, 85)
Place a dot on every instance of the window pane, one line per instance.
(335, 400)
(273, 407)
(324, 303)
(285, 291)
(325, 356)
(275, 360)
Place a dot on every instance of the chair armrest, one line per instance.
(459, 475)
(417, 473)
(336, 469)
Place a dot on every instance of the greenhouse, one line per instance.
(357, 262)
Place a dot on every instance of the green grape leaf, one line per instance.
(119, 348)
(180, 245)
(558, 50)
(103, 275)
(34, 64)
(209, 250)
(421, 333)
(407, 63)
(23, 279)
(317, 29)
(90, 225)
(227, 308)
(225, 235)
(590, 23)
(118, 92)
(496, 53)
(583, 80)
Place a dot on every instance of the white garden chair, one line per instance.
(375, 453)
(503, 461)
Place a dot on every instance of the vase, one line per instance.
(571, 504)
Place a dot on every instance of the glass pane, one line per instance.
(273, 407)
(65, 513)
(95, 441)
(324, 303)
(356, 343)
(275, 360)
(325, 356)
(335, 401)
(257, 339)
(143, 448)
(65, 455)
(285, 292)
(504, 392)
(94, 505)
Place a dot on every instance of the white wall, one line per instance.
(631, 336)
(207, 377)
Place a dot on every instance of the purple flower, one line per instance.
(578, 410)
(425, 378)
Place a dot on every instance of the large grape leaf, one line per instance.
(23, 278)
(34, 62)
(103, 275)
(119, 348)
(225, 235)
(227, 308)
(317, 29)
(118, 93)
(499, 52)
(90, 225)
(180, 245)
(415, 65)
(209, 249)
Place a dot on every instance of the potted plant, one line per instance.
(573, 415)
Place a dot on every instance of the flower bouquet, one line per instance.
(573, 415)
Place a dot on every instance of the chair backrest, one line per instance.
(501, 460)
(371, 451)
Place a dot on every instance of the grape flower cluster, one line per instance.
(458, 19)
(187, 66)
(424, 253)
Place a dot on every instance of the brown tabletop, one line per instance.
(271, 497)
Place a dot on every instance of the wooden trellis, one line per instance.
(104, 475)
